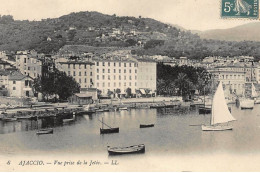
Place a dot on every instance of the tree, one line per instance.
(99, 93)
(128, 92)
(65, 86)
(118, 91)
(183, 84)
(56, 82)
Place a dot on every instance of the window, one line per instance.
(103, 70)
(97, 70)
(129, 83)
(135, 77)
(79, 73)
(108, 77)
(124, 70)
(24, 60)
(130, 71)
(73, 66)
(79, 66)
(26, 83)
(91, 73)
(114, 64)
(103, 63)
(103, 84)
(91, 81)
(28, 68)
(97, 84)
(79, 80)
(130, 64)
(114, 84)
(109, 64)
(108, 70)
(74, 73)
(114, 77)
(120, 64)
(119, 77)
(14, 82)
(85, 66)
(119, 70)
(124, 64)
(125, 84)
(135, 71)
(124, 77)
(130, 77)
(103, 77)
(97, 77)
(119, 84)
(114, 70)
(108, 84)
(69, 73)
(85, 73)
(14, 88)
(85, 80)
(97, 63)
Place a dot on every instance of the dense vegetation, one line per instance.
(56, 83)
(181, 80)
(49, 35)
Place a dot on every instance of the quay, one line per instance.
(65, 109)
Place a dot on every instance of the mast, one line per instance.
(102, 123)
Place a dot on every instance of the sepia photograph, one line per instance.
(129, 86)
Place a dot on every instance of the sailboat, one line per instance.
(220, 114)
(109, 129)
(248, 103)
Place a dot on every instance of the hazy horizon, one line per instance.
(198, 15)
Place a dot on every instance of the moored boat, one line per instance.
(109, 129)
(247, 104)
(146, 125)
(6, 119)
(44, 131)
(126, 150)
(123, 108)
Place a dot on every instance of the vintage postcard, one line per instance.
(129, 85)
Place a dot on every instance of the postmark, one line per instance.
(240, 9)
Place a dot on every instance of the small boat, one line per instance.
(29, 117)
(257, 101)
(220, 116)
(86, 108)
(123, 109)
(146, 125)
(205, 110)
(109, 129)
(126, 150)
(69, 120)
(44, 131)
(6, 119)
(247, 104)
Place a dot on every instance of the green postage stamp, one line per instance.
(240, 9)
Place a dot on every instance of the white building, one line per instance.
(115, 74)
(28, 64)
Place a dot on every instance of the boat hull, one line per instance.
(45, 131)
(111, 130)
(216, 128)
(135, 149)
(247, 104)
(146, 125)
(204, 110)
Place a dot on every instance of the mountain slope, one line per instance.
(249, 32)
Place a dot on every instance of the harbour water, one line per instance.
(172, 133)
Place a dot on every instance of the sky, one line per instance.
(189, 14)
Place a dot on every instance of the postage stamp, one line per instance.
(240, 9)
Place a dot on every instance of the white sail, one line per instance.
(254, 93)
(220, 112)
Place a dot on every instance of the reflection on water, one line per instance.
(172, 132)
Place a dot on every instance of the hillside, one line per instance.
(249, 32)
(87, 28)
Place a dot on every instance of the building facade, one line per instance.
(146, 75)
(82, 71)
(233, 79)
(20, 85)
(112, 75)
(28, 64)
